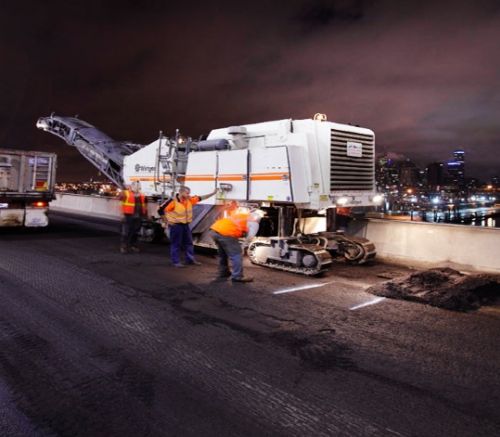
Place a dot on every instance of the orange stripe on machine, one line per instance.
(149, 178)
(199, 177)
(232, 177)
(274, 176)
(271, 176)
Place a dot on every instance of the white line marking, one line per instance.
(352, 283)
(303, 287)
(370, 302)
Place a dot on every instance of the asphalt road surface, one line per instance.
(95, 343)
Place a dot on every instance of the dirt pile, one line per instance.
(444, 288)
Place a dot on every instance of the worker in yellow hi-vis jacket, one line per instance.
(179, 212)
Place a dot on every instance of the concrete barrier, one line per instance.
(410, 243)
(93, 206)
(431, 245)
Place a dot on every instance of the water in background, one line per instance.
(478, 216)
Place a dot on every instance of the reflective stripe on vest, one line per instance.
(181, 213)
(234, 226)
(128, 204)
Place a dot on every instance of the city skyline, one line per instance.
(422, 75)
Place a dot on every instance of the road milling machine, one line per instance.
(297, 171)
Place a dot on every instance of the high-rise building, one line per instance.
(408, 174)
(456, 169)
(435, 175)
(387, 172)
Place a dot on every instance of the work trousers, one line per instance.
(181, 238)
(229, 249)
(131, 226)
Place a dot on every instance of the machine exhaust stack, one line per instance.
(238, 139)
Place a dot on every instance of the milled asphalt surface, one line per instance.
(95, 343)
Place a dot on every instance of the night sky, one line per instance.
(424, 75)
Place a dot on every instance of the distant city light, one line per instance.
(436, 200)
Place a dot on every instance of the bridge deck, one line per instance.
(99, 343)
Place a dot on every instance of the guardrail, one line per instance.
(416, 244)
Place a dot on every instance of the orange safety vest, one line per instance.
(182, 213)
(128, 203)
(234, 226)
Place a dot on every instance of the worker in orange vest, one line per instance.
(134, 208)
(179, 212)
(226, 233)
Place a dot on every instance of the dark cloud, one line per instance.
(424, 75)
(322, 13)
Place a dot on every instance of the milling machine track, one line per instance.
(290, 255)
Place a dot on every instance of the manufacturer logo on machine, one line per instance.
(354, 149)
(144, 168)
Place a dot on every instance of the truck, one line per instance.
(298, 172)
(27, 180)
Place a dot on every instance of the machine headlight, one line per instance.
(342, 200)
(378, 199)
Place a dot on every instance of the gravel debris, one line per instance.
(443, 288)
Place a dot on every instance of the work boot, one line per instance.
(223, 276)
(124, 249)
(193, 263)
(179, 265)
(135, 249)
(242, 279)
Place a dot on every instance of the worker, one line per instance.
(226, 233)
(134, 208)
(179, 213)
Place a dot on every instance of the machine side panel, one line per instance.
(140, 167)
(270, 175)
(233, 171)
(201, 174)
(299, 161)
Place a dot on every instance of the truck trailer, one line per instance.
(297, 171)
(27, 181)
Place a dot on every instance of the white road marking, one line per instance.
(352, 283)
(303, 287)
(321, 284)
(370, 302)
